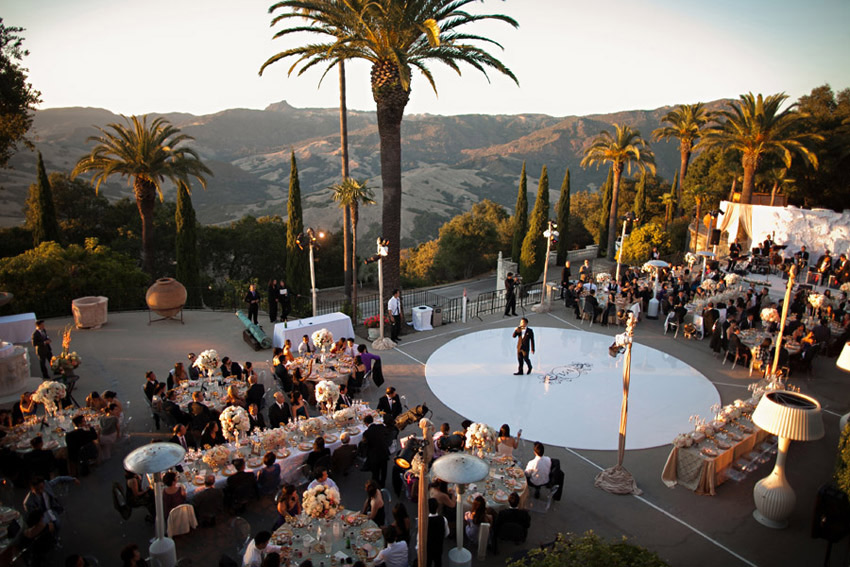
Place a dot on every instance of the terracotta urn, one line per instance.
(166, 297)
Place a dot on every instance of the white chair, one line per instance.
(181, 520)
(671, 322)
(483, 538)
(542, 506)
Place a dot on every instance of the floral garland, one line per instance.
(322, 339)
(207, 361)
(327, 392)
(321, 501)
(234, 419)
(480, 435)
(731, 279)
(817, 300)
(48, 393)
(770, 315)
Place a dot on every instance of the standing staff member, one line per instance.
(41, 342)
(253, 300)
(394, 309)
(285, 303)
(273, 287)
(510, 295)
(524, 345)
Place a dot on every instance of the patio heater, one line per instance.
(652, 308)
(155, 459)
(460, 469)
(381, 343)
(312, 237)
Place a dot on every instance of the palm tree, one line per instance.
(755, 127)
(777, 178)
(394, 37)
(624, 149)
(149, 154)
(350, 194)
(668, 200)
(686, 121)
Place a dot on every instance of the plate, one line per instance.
(331, 438)
(708, 452)
(500, 496)
(353, 430)
(305, 446)
(229, 470)
(515, 472)
(52, 444)
(723, 445)
(198, 480)
(371, 534)
(355, 519)
(281, 453)
(255, 462)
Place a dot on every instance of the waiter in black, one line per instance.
(524, 345)
(252, 298)
(41, 342)
(510, 295)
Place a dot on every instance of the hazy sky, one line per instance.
(571, 57)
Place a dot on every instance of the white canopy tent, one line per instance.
(815, 228)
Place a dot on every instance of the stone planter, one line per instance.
(89, 312)
(166, 297)
(373, 333)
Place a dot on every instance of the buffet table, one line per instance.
(700, 467)
(346, 538)
(17, 328)
(339, 324)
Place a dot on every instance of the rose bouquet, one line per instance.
(770, 315)
(48, 393)
(817, 300)
(323, 339)
(731, 279)
(480, 435)
(327, 392)
(234, 419)
(274, 438)
(344, 415)
(207, 361)
(321, 502)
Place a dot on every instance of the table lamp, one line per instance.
(791, 417)
(460, 469)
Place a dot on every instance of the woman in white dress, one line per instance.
(506, 444)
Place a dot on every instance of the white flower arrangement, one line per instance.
(708, 285)
(310, 426)
(274, 438)
(48, 393)
(321, 501)
(234, 419)
(845, 287)
(691, 258)
(817, 300)
(207, 361)
(344, 415)
(731, 279)
(480, 435)
(770, 315)
(602, 277)
(323, 339)
(683, 440)
(327, 392)
(216, 457)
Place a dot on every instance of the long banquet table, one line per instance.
(339, 324)
(299, 539)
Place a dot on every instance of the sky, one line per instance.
(571, 57)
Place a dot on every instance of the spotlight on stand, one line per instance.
(408, 454)
(413, 415)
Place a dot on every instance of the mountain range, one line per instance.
(450, 162)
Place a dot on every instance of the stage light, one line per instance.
(408, 454)
(413, 415)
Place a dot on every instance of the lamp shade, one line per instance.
(460, 468)
(844, 358)
(154, 458)
(790, 415)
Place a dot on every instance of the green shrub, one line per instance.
(842, 462)
(589, 550)
(640, 242)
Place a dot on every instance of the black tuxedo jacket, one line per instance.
(523, 343)
(42, 347)
(377, 440)
(279, 415)
(391, 407)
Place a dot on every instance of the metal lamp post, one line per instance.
(381, 343)
(312, 239)
(156, 459)
(628, 217)
(551, 234)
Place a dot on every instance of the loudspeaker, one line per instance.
(714, 238)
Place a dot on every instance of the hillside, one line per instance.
(450, 162)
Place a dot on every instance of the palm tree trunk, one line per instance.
(749, 164)
(684, 158)
(145, 193)
(346, 215)
(354, 218)
(612, 216)
(773, 193)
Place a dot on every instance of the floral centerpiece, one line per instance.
(207, 361)
(845, 287)
(602, 277)
(770, 315)
(708, 285)
(817, 300)
(480, 435)
(731, 279)
(216, 457)
(683, 440)
(327, 393)
(68, 360)
(274, 438)
(323, 339)
(48, 393)
(311, 426)
(344, 415)
(321, 502)
(234, 420)
(691, 258)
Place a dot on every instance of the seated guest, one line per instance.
(445, 497)
(342, 458)
(268, 477)
(821, 332)
(39, 536)
(255, 418)
(150, 384)
(80, 443)
(199, 413)
(304, 347)
(748, 323)
(513, 515)
(445, 429)
(318, 453)
(230, 368)
(258, 548)
(350, 348)
(368, 358)
(138, 497)
(212, 435)
(241, 485)
(194, 371)
(208, 502)
(288, 503)
(177, 375)
(95, 402)
(401, 522)
(338, 346)
(373, 507)
(233, 398)
(506, 444)
(735, 346)
(281, 374)
(343, 401)
(476, 516)
(248, 371)
(321, 477)
(179, 437)
(159, 396)
(279, 412)
(173, 494)
(358, 373)
(39, 461)
(287, 352)
(255, 392)
(297, 406)
(395, 553)
(762, 353)
(537, 470)
(112, 398)
(169, 406)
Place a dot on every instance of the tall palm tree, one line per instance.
(149, 154)
(755, 127)
(395, 37)
(686, 122)
(350, 194)
(624, 149)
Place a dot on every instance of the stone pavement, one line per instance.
(685, 529)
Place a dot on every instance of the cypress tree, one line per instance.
(520, 224)
(297, 270)
(675, 190)
(640, 199)
(188, 263)
(607, 194)
(564, 218)
(46, 227)
(534, 245)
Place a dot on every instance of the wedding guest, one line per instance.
(255, 392)
(258, 548)
(367, 357)
(23, 408)
(230, 368)
(95, 402)
(252, 298)
(279, 412)
(131, 556)
(80, 442)
(475, 517)
(373, 507)
(439, 491)
(233, 398)
(268, 477)
(350, 348)
(537, 470)
(445, 429)
(285, 301)
(297, 406)
(173, 494)
(112, 398)
(319, 453)
(169, 406)
(150, 384)
(355, 379)
(377, 441)
(344, 400)
(304, 347)
(287, 351)
(110, 431)
(342, 458)
(248, 371)
(208, 501)
(321, 477)
(338, 346)
(395, 553)
(438, 531)
(273, 290)
(177, 375)
(513, 515)
(179, 437)
(39, 461)
(401, 522)
(194, 371)
(39, 537)
(288, 504)
(138, 497)
(199, 413)
(241, 484)
(506, 444)
(255, 418)
(43, 350)
(390, 405)
(212, 435)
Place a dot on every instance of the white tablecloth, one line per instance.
(339, 324)
(17, 328)
(422, 318)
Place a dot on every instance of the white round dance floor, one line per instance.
(572, 397)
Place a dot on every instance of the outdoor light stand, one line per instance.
(630, 216)
(792, 272)
(381, 343)
(545, 300)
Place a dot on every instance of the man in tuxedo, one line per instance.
(255, 392)
(230, 368)
(150, 384)
(170, 407)
(179, 437)
(41, 342)
(513, 515)
(377, 441)
(279, 412)
(39, 461)
(390, 405)
(591, 304)
(510, 295)
(824, 266)
(252, 298)
(841, 269)
(524, 345)
(344, 399)
(241, 485)
(342, 458)
(749, 322)
(710, 316)
(78, 438)
(194, 371)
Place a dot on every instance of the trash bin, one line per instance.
(437, 317)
